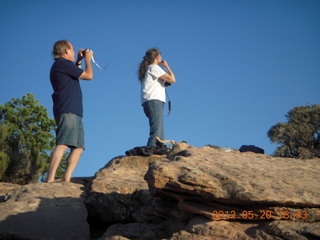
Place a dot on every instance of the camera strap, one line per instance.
(169, 103)
(101, 68)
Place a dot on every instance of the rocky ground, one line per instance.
(190, 194)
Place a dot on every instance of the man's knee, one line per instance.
(77, 151)
(61, 147)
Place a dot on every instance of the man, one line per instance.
(67, 105)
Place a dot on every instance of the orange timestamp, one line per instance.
(258, 215)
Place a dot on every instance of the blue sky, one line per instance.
(240, 66)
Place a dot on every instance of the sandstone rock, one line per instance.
(204, 229)
(238, 178)
(5, 188)
(179, 147)
(201, 229)
(115, 237)
(119, 196)
(191, 194)
(131, 231)
(237, 189)
(295, 230)
(118, 190)
(44, 211)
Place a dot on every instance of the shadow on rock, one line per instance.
(44, 218)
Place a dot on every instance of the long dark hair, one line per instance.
(148, 59)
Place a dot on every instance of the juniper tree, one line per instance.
(299, 136)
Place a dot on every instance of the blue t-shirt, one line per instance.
(67, 96)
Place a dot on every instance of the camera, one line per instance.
(84, 51)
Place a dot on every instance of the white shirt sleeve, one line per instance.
(156, 72)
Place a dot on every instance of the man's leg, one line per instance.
(55, 161)
(73, 160)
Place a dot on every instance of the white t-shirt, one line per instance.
(152, 88)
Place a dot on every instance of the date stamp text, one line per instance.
(258, 215)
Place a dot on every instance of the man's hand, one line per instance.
(80, 57)
(87, 54)
(88, 72)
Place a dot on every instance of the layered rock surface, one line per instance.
(214, 176)
(192, 193)
(44, 211)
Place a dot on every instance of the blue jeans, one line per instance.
(154, 111)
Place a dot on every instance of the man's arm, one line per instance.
(87, 74)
